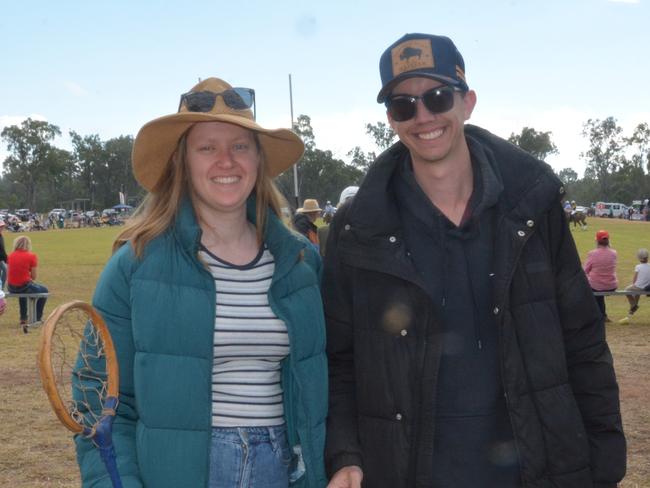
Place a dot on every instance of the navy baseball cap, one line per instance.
(425, 55)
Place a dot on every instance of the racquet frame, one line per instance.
(48, 376)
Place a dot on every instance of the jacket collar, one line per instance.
(524, 187)
(283, 244)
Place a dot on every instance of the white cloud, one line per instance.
(624, 1)
(564, 123)
(341, 131)
(75, 88)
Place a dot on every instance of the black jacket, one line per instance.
(384, 346)
(3, 252)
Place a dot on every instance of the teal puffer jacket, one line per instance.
(160, 311)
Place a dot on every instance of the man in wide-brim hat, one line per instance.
(305, 218)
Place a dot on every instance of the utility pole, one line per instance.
(295, 166)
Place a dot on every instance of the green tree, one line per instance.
(568, 176)
(360, 159)
(104, 169)
(639, 143)
(119, 176)
(538, 144)
(88, 152)
(32, 160)
(382, 134)
(320, 174)
(303, 128)
(605, 155)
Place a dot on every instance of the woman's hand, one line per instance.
(348, 477)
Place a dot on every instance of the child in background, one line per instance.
(640, 282)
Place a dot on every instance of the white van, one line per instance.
(606, 209)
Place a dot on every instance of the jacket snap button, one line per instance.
(521, 233)
(392, 239)
(496, 310)
(403, 332)
(347, 227)
(398, 416)
(530, 223)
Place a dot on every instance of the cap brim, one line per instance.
(157, 140)
(385, 91)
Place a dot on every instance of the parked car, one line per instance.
(23, 214)
(57, 212)
(607, 209)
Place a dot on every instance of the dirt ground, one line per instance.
(630, 347)
(36, 451)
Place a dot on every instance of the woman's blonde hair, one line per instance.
(158, 210)
(23, 243)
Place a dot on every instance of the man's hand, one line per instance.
(348, 477)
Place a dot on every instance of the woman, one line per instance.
(214, 308)
(22, 264)
(600, 268)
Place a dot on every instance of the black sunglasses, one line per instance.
(437, 101)
(203, 101)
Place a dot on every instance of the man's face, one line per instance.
(432, 138)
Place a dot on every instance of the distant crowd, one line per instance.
(34, 221)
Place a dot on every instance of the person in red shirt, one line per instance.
(600, 268)
(22, 264)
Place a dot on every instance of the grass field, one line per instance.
(36, 451)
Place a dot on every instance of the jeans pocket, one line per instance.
(281, 447)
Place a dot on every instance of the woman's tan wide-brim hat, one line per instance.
(158, 139)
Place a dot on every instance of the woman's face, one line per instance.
(222, 161)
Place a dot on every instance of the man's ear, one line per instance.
(469, 101)
(391, 122)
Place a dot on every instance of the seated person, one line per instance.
(22, 265)
(641, 280)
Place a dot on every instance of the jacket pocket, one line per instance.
(385, 452)
(565, 438)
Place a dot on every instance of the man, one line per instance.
(465, 345)
(304, 220)
(329, 212)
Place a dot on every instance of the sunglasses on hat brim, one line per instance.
(203, 101)
(437, 101)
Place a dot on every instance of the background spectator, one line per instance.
(600, 267)
(640, 282)
(304, 220)
(22, 275)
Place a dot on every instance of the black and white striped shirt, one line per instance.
(250, 341)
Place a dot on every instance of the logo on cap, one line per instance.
(412, 54)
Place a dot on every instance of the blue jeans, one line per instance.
(31, 287)
(249, 457)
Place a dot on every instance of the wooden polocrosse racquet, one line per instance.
(80, 375)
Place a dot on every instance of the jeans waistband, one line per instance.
(250, 434)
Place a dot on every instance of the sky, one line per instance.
(109, 67)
